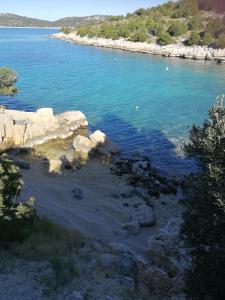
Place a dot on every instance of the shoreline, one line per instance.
(27, 27)
(181, 51)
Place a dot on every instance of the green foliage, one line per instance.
(186, 8)
(207, 39)
(178, 28)
(194, 39)
(216, 27)
(195, 23)
(204, 218)
(16, 218)
(66, 30)
(8, 79)
(165, 39)
(155, 27)
(139, 36)
(220, 43)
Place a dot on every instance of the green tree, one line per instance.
(194, 39)
(139, 36)
(220, 43)
(8, 79)
(204, 218)
(178, 28)
(195, 23)
(66, 30)
(207, 39)
(186, 8)
(16, 218)
(165, 39)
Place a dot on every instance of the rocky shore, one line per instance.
(195, 52)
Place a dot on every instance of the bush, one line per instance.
(16, 218)
(165, 39)
(178, 28)
(195, 23)
(207, 39)
(155, 27)
(8, 79)
(186, 8)
(194, 39)
(204, 218)
(220, 43)
(139, 36)
(66, 30)
(215, 27)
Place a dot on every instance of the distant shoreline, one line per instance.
(181, 51)
(28, 27)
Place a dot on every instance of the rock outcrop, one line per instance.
(28, 129)
(194, 52)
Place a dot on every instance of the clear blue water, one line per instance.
(107, 85)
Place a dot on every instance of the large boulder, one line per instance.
(144, 215)
(82, 145)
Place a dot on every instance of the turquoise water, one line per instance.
(108, 85)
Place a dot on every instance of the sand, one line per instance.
(98, 215)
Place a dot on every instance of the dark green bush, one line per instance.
(194, 39)
(178, 28)
(220, 43)
(195, 23)
(66, 30)
(165, 39)
(139, 36)
(8, 79)
(204, 218)
(207, 39)
(16, 218)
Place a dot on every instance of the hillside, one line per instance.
(181, 22)
(12, 20)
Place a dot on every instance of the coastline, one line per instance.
(181, 51)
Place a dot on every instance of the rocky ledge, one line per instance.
(195, 52)
(28, 129)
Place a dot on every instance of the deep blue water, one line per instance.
(108, 85)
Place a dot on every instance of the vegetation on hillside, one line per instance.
(8, 79)
(172, 22)
(204, 219)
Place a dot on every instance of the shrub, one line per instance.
(215, 27)
(220, 43)
(207, 39)
(194, 39)
(195, 23)
(186, 8)
(8, 79)
(155, 27)
(165, 39)
(139, 36)
(204, 218)
(178, 28)
(66, 30)
(16, 218)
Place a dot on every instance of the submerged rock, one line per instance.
(144, 215)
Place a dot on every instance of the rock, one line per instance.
(124, 264)
(126, 204)
(114, 195)
(127, 194)
(125, 281)
(75, 296)
(142, 192)
(55, 166)
(22, 164)
(78, 194)
(28, 129)
(82, 145)
(153, 281)
(132, 227)
(144, 215)
(97, 138)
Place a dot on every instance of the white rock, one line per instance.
(82, 144)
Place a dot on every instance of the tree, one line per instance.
(207, 39)
(204, 218)
(220, 43)
(16, 218)
(178, 28)
(194, 39)
(186, 8)
(66, 30)
(165, 39)
(139, 36)
(195, 23)
(8, 79)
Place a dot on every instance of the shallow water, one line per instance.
(132, 97)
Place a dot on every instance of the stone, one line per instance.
(144, 215)
(55, 166)
(126, 204)
(132, 227)
(22, 164)
(82, 145)
(74, 296)
(97, 138)
(115, 195)
(127, 194)
(78, 194)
